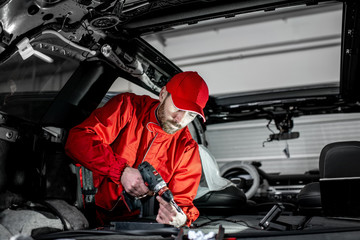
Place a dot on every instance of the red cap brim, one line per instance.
(185, 105)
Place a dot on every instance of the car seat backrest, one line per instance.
(340, 159)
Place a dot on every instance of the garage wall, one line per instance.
(283, 48)
(243, 141)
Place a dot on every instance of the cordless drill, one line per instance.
(156, 183)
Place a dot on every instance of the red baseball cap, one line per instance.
(189, 92)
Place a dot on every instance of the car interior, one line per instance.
(62, 59)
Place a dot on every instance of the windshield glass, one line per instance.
(27, 87)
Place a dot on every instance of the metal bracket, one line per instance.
(8, 134)
(55, 134)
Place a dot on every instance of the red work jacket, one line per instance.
(126, 131)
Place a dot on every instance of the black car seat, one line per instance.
(337, 160)
(216, 194)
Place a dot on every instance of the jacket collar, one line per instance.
(153, 124)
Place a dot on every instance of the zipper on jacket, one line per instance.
(149, 147)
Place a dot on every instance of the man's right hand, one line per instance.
(133, 182)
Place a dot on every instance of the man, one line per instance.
(131, 129)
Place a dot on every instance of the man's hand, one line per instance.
(167, 214)
(133, 183)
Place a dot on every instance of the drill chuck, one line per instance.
(159, 186)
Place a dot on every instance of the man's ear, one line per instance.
(163, 93)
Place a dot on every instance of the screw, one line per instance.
(9, 135)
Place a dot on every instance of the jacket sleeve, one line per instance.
(185, 182)
(88, 143)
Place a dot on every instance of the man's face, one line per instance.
(171, 118)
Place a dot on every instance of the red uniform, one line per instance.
(126, 131)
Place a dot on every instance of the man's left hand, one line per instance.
(167, 214)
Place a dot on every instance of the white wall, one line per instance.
(255, 55)
(243, 141)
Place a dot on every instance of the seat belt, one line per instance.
(88, 188)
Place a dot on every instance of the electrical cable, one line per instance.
(268, 127)
(69, 42)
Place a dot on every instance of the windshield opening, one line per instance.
(27, 87)
(290, 47)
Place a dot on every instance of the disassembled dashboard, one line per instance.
(267, 188)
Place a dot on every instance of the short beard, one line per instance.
(168, 126)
